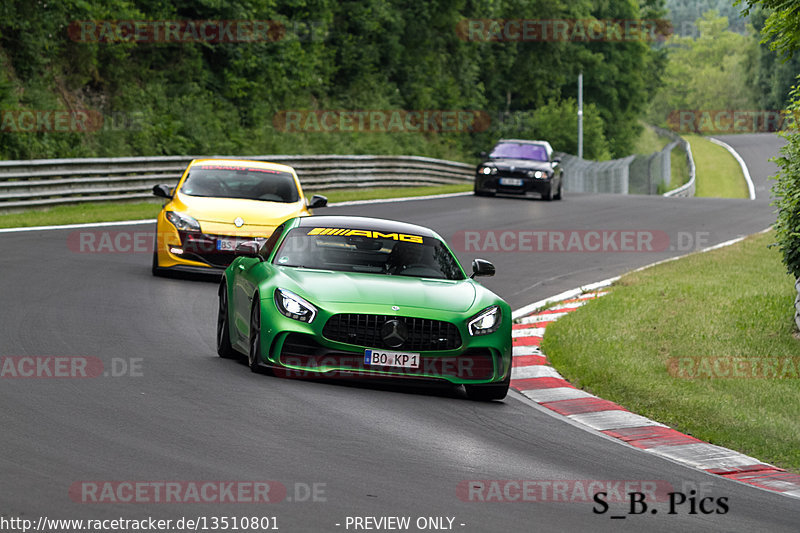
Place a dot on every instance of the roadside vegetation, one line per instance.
(782, 33)
(679, 168)
(718, 175)
(650, 141)
(116, 211)
(194, 96)
(708, 305)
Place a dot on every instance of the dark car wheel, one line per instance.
(253, 355)
(558, 195)
(224, 348)
(549, 194)
(488, 392)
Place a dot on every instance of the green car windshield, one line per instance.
(367, 251)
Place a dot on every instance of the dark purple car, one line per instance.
(520, 167)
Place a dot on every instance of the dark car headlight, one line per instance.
(293, 306)
(182, 222)
(485, 322)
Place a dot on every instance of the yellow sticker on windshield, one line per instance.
(404, 237)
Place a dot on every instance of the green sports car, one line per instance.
(364, 297)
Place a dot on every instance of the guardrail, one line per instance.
(49, 182)
(797, 304)
(581, 175)
(639, 174)
(688, 188)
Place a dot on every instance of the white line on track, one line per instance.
(152, 220)
(76, 226)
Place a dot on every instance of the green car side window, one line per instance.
(269, 244)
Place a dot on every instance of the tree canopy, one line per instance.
(202, 96)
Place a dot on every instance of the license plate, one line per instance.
(511, 182)
(226, 245)
(384, 358)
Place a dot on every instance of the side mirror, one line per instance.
(247, 249)
(484, 155)
(482, 267)
(317, 201)
(162, 191)
(556, 160)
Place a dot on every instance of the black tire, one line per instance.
(255, 336)
(483, 193)
(488, 392)
(558, 195)
(224, 348)
(547, 196)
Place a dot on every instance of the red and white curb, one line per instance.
(533, 377)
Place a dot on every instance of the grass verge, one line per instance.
(735, 302)
(649, 141)
(114, 211)
(679, 168)
(718, 173)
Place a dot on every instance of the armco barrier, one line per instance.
(48, 182)
(639, 174)
(797, 304)
(687, 189)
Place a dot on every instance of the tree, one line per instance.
(709, 72)
(782, 30)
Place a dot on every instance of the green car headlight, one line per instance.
(182, 222)
(292, 306)
(485, 322)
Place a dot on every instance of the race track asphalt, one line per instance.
(186, 415)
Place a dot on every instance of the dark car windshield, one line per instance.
(536, 152)
(368, 251)
(233, 181)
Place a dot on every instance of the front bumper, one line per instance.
(195, 252)
(493, 184)
(299, 349)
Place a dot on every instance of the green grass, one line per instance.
(718, 173)
(114, 211)
(679, 169)
(649, 141)
(732, 302)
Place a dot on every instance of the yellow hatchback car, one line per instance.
(219, 203)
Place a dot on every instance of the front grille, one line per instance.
(314, 360)
(203, 247)
(421, 334)
(509, 174)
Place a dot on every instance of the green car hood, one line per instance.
(342, 287)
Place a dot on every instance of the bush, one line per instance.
(787, 193)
